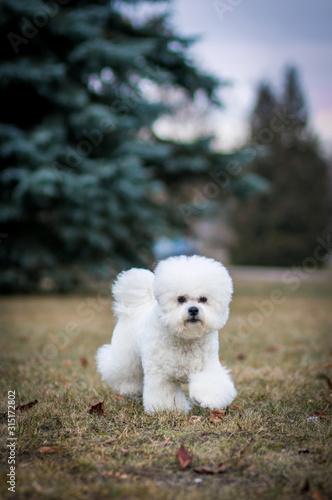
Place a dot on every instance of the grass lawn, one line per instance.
(275, 444)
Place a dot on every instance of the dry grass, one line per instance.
(271, 450)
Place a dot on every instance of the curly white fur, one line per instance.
(167, 334)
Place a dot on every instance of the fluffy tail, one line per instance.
(133, 292)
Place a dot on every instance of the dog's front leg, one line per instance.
(212, 388)
(160, 395)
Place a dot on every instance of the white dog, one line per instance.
(167, 334)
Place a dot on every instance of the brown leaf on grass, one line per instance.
(272, 347)
(183, 457)
(240, 356)
(316, 495)
(208, 470)
(235, 407)
(49, 449)
(84, 362)
(216, 416)
(97, 408)
(26, 406)
(320, 414)
(4, 416)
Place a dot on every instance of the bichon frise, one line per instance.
(167, 334)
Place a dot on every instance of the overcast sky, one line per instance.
(247, 41)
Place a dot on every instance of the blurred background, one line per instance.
(135, 130)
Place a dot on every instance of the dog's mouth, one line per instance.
(193, 319)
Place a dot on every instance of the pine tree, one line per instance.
(280, 227)
(82, 172)
(262, 112)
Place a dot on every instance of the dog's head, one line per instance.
(193, 295)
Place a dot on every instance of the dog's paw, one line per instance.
(165, 398)
(214, 395)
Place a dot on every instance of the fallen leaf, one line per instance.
(216, 416)
(208, 470)
(235, 407)
(320, 414)
(240, 356)
(272, 347)
(84, 362)
(316, 495)
(26, 406)
(183, 457)
(297, 345)
(49, 449)
(97, 408)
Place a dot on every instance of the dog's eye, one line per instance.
(202, 299)
(181, 299)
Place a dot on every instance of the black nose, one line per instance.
(193, 311)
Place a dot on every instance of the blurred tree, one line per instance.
(84, 180)
(263, 110)
(279, 227)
